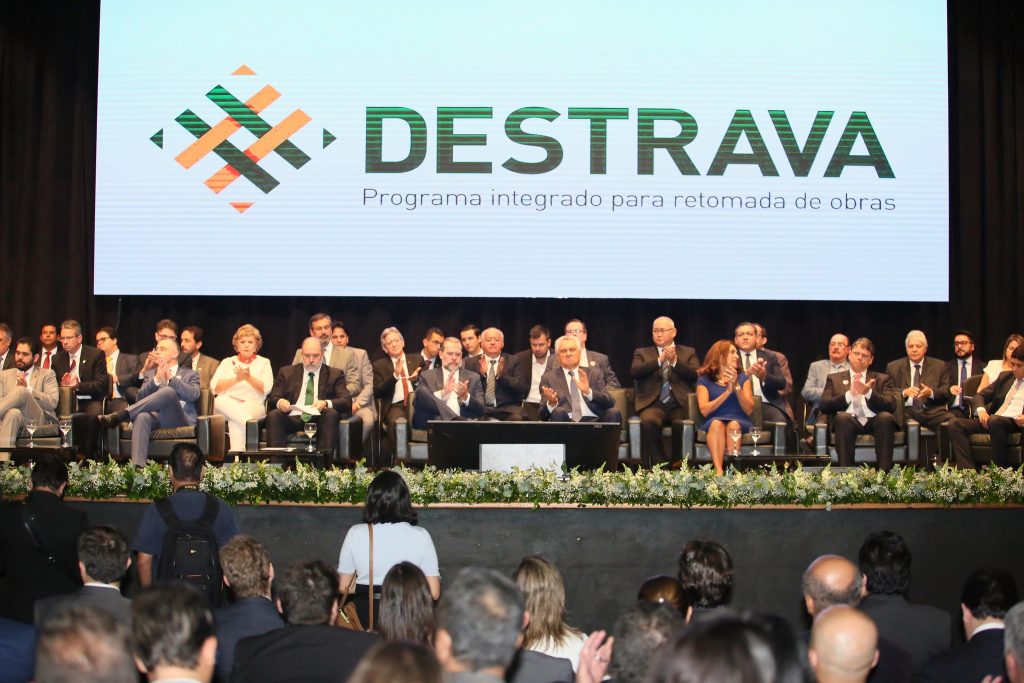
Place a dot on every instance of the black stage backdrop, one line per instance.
(48, 75)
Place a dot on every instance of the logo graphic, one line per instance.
(238, 162)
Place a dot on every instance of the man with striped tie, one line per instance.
(999, 408)
(575, 394)
(505, 380)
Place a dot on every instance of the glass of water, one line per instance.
(735, 434)
(31, 425)
(310, 429)
(755, 435)
(65, 429)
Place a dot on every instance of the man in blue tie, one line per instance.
(999, 408)
(959, 370)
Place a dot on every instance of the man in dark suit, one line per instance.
(25, 556)
(923, 631)
(394, 381)
(309, 648)
(539, 358)
(191, 356)
(987, 595)
(505, 381)
(430, 354)
(590, 358)
(299, 388)
(765, 374)
(959, 370)
(17, 651)
(664, 374)
(167, 399)
(84, 369)
(248, 574)
(6, 354)
(449, 392)
(49, 343)
(573, 393)
(122, 370)
(861, 402)
(173, 631)
(998, 408)
(103, 559)
(923, 382)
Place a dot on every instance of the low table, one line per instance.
(283, 457)
(766, 460)
(22, 455)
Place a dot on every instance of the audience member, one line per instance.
(819, 370)
(173, 631)
(539, 359)
(725, 398)
(987, 596)
(38, 541)
(574, 393)
(406, 605)
(663, 375)
(122, 370)
(590, 358)
(639, 633)
(84, 370)
(843, 645)
(103, 560)
(167, 399)
(923, 631)
(705, 570)
(388, 510)
(360, 382)
(996, 367)
(725, 650)
(17, 651)
(191, 356)
(241, 384)
(84, 643)
(309, 648)
(998, 408)
(248, 575)
(394, 379)
(788, 651)
(49, 345)
(922, 382)
(449, 392)
(469, 335)
(544, 597)
(431, 348)
(861, 402)
(958, 370)
(27, 392)
(505, 382)
(765, 374)
(391, 662)
(187, 502)
(1013, 646)
(663, 589)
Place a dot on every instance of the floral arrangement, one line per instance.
(259, 483)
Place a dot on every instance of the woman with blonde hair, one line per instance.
(724, 397)
(241, 385)
(544, 593)
(996, 367)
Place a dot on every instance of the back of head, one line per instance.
(788, 651)
(705, 570)
(246, 566)
(831, 580)
(884, 560)
(482, 613)
(307, 591)
(724, 650)
(639, 633)
(665, 590)
(170, 622)
(544, 593)
(389, 662)
(406, 606)
(989, 593)
(844, 644)
(104, 551)
(1013, 639)
(84, 644)
(388, 500)
(187, 462)
(49, 471)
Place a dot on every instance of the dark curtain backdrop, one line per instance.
(48, 76)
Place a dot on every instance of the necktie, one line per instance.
(916, 381)
(72, 368)
(46, 361)
(308, 401)
(963, 378)
(1005, 409)
(113, 379)
(666, 387)
(859, 402)
(405, 382)
(746, 361)
(575, 400)
(490, 395)
(449, 393)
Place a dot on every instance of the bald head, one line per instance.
(663, 331)
(844, 645)
(831, 580)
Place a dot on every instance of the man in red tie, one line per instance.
(50, 346)
(84, 369)
(449, 392)
(998, 408)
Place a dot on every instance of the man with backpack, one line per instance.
(180, 537)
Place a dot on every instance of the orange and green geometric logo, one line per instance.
(239, 163)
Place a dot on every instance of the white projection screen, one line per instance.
(678, 149)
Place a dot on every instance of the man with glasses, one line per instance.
(959, 369)
(84, 370)
(165, 329)
(999, 408)
(122, 368)
(922, 381)
(819, 370)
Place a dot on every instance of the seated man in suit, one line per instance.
(449, 392)
(539, 358)
(505, 381)
(26, 392)
(590, 358)
(84, 370)
(191, 356)
(664, 374)
(819, 370)
(165, 329)
(49, 346)
(335, 356)
(6, 356)
(167, 399)
(998, 408)
(765, 374)
(122, 369)
(430, 354)
(762, 344)
(173, 630)
(862, 402)
(358, 379)
(959, 370)
(573, 393)
(394, 380)
(922, 381)
(300, 389)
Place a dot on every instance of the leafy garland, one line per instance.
(688, 487)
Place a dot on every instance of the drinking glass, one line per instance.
(310, 429)
(755, 435)
(65, 429)
(31, 425)
(735, 434)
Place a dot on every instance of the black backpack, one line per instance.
(190, 552)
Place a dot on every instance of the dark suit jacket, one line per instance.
(384, 381)
(774, 380)
(241, 619)
(92, 371)
(934, 373)
(17, 651)
(29, 574)
(599, 402)
(953, 371)
(537, 667)
(980, 656)
(991, 397)
(513, 384)
(525, 361)
(596, 359)
(647, 376)
(9, 361)
(430, 407)
(883, 395)
(921, 630)
(290, 384)
(301, 654)
(126, 373)
(108, 599)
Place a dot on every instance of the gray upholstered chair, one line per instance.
(350, 438)
(209, 434)
(695, 439)
(906, 441)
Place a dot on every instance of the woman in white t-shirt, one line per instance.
(395, 539)
(241, 384)
(996, 367)
(544, 594)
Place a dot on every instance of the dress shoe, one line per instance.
(111, 420)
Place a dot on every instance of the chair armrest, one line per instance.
(252, 433)
(350, 440)
(914, 442)
(821, 437)
(633, 425)
(210, 433)
(67, 402)
(687, 438)
(401, 440)
(778, 430)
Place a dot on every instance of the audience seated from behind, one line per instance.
(663, 589)
(173, 634)
(1014, 645)
(544, 596)
(241, 384)
(705, 570)
(391, 662)
(843, 645)
(639, 634)
(406, 606)
(725, 648)
(83, 643)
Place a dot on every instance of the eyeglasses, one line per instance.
(838, 345)
(662, 330)
(100, 340)
(167, 335)
(71, 338)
